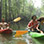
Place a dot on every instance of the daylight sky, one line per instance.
(37, 3)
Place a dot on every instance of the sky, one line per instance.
(37, 3)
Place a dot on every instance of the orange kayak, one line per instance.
(21, 32)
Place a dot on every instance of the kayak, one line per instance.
(20, 32)
(6, 31)
(32, 34)
(36, 35)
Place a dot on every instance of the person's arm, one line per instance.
(29, 25)
(39, 29)
(30, 28)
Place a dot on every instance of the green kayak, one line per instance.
(35, 34)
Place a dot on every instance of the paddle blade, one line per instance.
(17, 19)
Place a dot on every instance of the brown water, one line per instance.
(25, 39)
(10, 39)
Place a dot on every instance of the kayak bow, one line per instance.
(35, 34)
(6, 31)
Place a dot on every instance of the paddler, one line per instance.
(41, 20)
(4, 24)
(33, 25)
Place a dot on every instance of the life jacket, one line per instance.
(31, 23)
(3, 25)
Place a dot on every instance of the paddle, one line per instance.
(37, 29)
(23, 32)
(17, 19)
(18, 33)
(32, 26)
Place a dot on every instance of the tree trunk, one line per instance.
(0, 9)
(9, 1)
(6, 10)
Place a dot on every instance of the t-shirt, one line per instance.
(31, 23)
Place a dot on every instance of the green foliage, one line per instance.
(20, 7)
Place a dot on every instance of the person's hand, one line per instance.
(32, 29)
(28, 27)
(37, 29)
(41, 31)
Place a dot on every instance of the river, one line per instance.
(25, 39)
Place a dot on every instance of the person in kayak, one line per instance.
(4, 24)
(33, 25)
(41, 20)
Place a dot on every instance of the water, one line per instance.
(10, 39)
(38, 40)
(25, 39)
